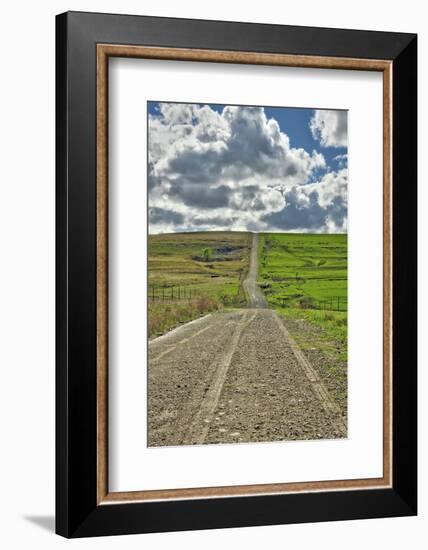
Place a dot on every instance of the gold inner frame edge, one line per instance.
(104, 52)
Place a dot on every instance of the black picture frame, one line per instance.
(77, 511)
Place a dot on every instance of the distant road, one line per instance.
(236, 376)
(255, 295)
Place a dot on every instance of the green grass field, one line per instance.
(304, 270)
(205, 270)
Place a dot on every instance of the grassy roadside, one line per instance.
(166, 316)
(322, 336)
(210, 266)
(332, 325)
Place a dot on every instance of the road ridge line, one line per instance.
(171, 348)
(198, 428)
(178, 329)
(317, 384)
(174, 346)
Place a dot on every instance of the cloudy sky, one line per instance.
(240, 168)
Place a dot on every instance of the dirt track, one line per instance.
(235, 377)
(255, 295)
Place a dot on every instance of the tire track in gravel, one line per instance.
(180, 342)
(318, 386)
(178, 382)
(199, 427)
(268, 395)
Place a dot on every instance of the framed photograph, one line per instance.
(236, 274)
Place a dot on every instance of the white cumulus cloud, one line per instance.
(330, 128)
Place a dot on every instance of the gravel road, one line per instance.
(236, 376)
(255, 295)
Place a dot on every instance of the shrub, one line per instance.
(307, 302)
(207, 254)
(226, 300)
(205, 303)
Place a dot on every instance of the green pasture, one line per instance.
(191, 274)
(177, 260)
(304, 270)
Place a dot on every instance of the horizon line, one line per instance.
(244, 231)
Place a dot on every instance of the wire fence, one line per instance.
(333, 303)
(182, 293)
(171, 293)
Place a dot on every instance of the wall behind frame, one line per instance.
(27, 271)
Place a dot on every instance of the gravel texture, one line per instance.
(232, 377)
